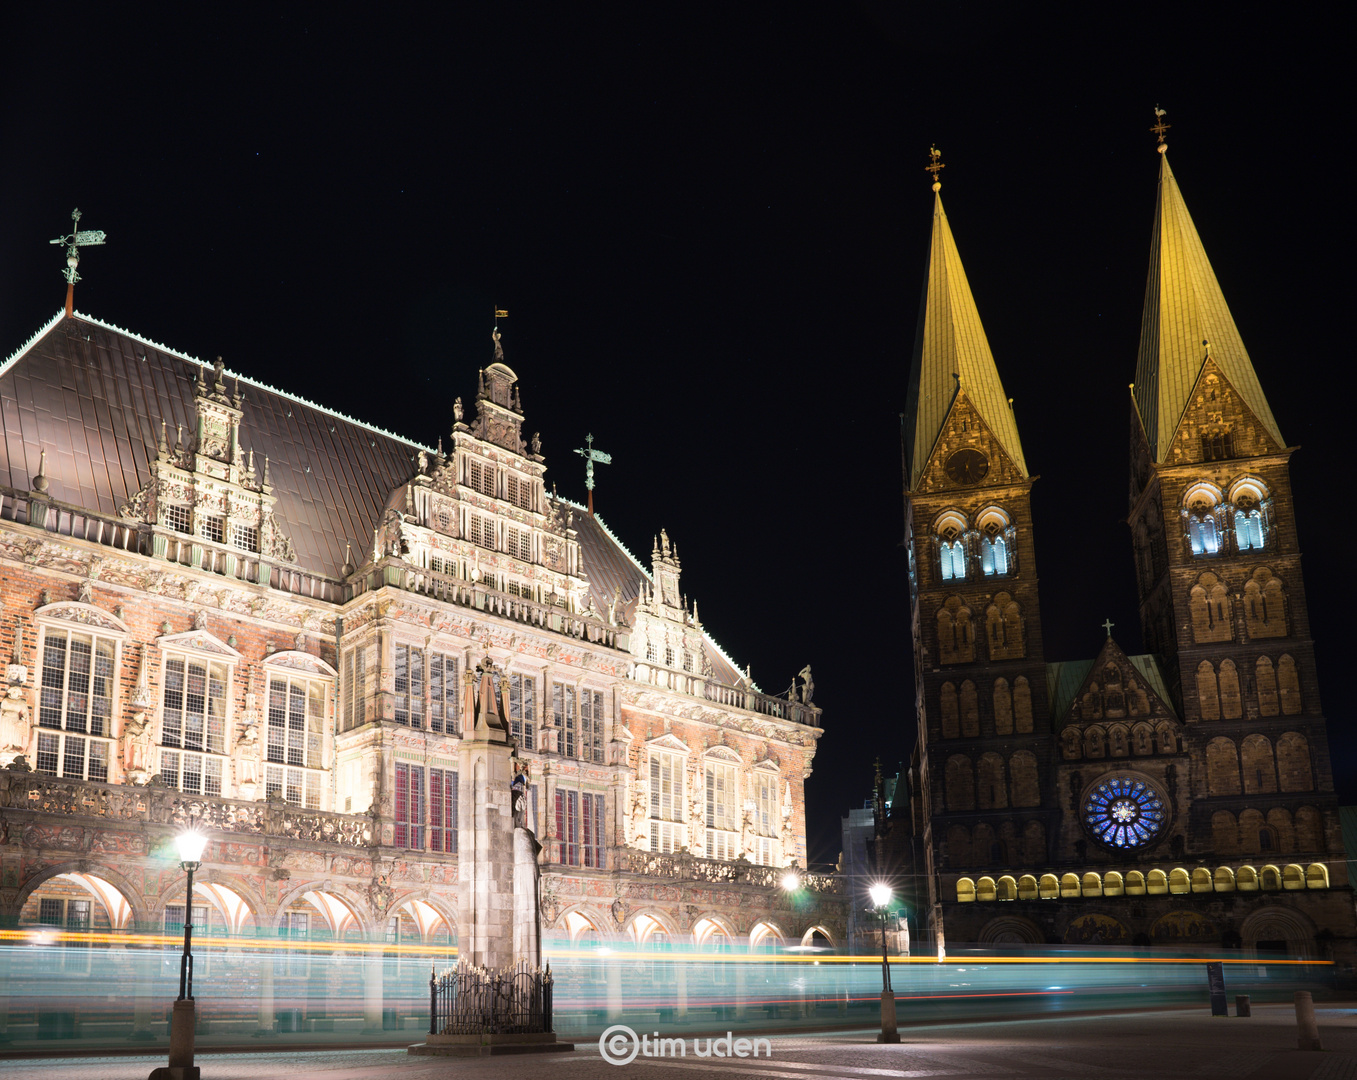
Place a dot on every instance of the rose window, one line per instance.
(1124, 812)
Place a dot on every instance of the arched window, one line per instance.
(965, 891)
(1260, 772)
(970, 710)
(996, 542)
(950, 536)
(1003, 708)
(1202, 511)
(993, 790)
(1022, 706)
(1209, 604)
(1022, 771)
(1289, 681)
(1264, 605)
(984, 889)
(1231, 705)
(950, 712)
(1251, 506)
(1293, 762)
(1222, 767)
(1266, 676)
(960, 777)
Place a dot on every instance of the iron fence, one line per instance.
(472, 1000)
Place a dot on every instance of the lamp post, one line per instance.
(881, 898)
(183, 1018)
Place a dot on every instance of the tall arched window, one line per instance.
(1201, 508)
(996, 542)
(1251, 506)
(950, 536)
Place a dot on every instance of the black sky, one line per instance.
(709, 226)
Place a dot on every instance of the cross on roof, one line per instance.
(1108, 627)
(935, 166)
(1160, 127)
(590, 456)
(74, 241)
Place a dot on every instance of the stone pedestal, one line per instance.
(181, 1065)
(888, 1033)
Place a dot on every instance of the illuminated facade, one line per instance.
(224, 603)
(1176, 797)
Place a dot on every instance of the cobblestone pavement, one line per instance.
(1181, 1044)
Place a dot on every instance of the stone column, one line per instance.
(373, 963)
(485, 895)
(266, 1029)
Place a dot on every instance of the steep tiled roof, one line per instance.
(93, 396)
(1184, 309)
(951, 341)
(615, 571)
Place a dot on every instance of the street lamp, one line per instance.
(881, 898)
(791, 881)
(191, 845)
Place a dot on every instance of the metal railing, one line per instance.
(471, 1000)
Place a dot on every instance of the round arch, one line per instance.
(1271, 924)
(342, 909)
(808, 938)
(765, 936)
(644, 925)
(709, 928)
(581, 923)
(1011, 930)
(82, 868)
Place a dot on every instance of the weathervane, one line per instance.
(935, 166)
(1159, 128)
(590, 456)
(74, 242)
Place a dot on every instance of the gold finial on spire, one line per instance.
(934, 166)
(1159, 128)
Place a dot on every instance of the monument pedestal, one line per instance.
(482, 1044)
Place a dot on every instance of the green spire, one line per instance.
(951, 354)
(1185, 320)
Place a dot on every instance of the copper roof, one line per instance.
(1185, 309)
(951, 342)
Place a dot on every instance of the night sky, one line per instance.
(709, 227)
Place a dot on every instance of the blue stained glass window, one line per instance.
(1123, 812)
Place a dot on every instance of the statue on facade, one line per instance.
(423, 462)
(537, 443)
(247, 761)
(808, 688)
(136, 747)
(457, 411)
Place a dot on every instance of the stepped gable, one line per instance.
(93, 396)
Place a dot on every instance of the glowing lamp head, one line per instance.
(880, 894)
(790, 881)
(191, 845)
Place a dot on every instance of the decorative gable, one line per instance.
(304, 662)
(668, 741)
(199, 641)
(73, 611)
(1217, 424)
(967, 453)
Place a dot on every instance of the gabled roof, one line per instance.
(1184, 309)
(1066, 678)
(93, 395)
(950, 341)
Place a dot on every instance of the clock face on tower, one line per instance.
(967, 466)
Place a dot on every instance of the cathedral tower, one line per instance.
(1219, 566)
(984, 732)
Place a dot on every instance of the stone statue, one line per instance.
(137, 748)
(518, 796)
(499, 350)
(537, 442)
(457, 410)
(247, 761)
(808, 690)
(423, 462)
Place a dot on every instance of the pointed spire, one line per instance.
(951, 354)
(1185, 320)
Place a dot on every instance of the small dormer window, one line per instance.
(176, 517)
(245, 537)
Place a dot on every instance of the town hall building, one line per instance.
(222, 604)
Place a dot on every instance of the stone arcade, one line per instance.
(1179, 797)
(224, 603)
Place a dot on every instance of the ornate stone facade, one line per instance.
(266, 628)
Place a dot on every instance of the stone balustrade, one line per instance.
(684, 867)
(164, 806)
